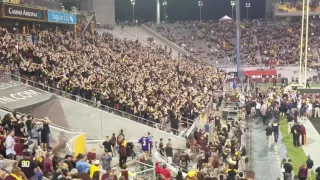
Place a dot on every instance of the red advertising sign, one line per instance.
(271, 72)
(257, 75)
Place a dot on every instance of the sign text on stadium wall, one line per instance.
(18, 96)
(9, 84)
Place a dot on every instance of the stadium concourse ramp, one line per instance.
(70, 114)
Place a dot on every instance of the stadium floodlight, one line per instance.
(248, 6)
(233, 3)
(200, 3)
(133, 2)
(164, 4)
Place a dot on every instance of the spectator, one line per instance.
(47, 165)
(94, 170)
(10, 153)
(165, 172)
(106, 159)
(30, 167)
(310, 164)
(82, 166)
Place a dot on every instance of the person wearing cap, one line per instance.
(94, 170)
(30, 167)
(310, 165)
(191, 175)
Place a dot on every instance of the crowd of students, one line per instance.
(271, 43)
(117, 73)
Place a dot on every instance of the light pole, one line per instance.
(133, 2)
(248, 6)
(232, 5)
(200, 3)
(164, 4)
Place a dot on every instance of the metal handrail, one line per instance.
(84, 30)
(139, 119)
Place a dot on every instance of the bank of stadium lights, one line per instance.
(164, 4)
(233, 3)
(133, 2)
(248, 6)
(200, 3)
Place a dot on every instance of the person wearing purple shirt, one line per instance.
(145, 143)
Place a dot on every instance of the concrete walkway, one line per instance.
(264, 161)
(313, 141)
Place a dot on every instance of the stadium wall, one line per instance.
(105, 11)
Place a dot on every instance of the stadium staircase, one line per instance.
(143, 35)
(258, 54)
(316, 52)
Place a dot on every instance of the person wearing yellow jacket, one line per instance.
(94, 170)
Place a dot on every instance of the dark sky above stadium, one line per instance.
(186, 9)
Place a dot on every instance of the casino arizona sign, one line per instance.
(22, 12)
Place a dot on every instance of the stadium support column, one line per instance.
(238, 38)
(158, 11)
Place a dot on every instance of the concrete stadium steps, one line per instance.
(143, 35)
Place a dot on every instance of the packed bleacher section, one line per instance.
(273, 43)
(120, 74)
(211, 41)
(292, 7)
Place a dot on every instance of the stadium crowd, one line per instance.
(273, 43)
(117, 73)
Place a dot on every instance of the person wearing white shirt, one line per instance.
(258, 107)
(309, 112)
(10, 152)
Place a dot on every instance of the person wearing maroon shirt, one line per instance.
(109, 175)
(113, 143)
(215, 165)
(2, 143)
(303, 172)
(47, 165)
(201, 142)
(91, 155)
(124, 172)
(122, 150)
(16, 173)
(19, 147)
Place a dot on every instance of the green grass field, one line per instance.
(296, 154)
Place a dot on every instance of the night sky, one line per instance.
(186, 9)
